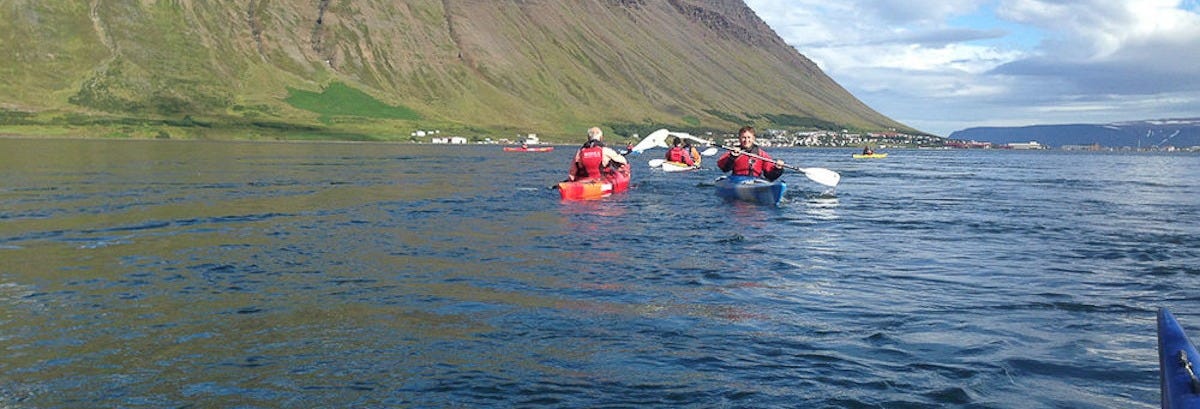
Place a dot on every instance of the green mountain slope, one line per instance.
(551, 67)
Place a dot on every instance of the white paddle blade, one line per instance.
(709, 152)
(654, 163)
(685, 135)
(656, 139)
(823, 176)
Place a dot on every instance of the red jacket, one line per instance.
(744, 165)
(678, 154)
(590, 160)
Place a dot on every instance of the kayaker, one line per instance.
(593, 158)
(687, 145)
(677, 153)
(743, 165)
(867, 150)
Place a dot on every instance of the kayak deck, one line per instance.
(1178, 364)
(677, 167)
(616, 182)
(750, 189)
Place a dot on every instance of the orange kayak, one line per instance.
(616, 182)
(520, 149)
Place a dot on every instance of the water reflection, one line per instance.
(822, 207)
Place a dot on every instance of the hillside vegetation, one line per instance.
(382, 69)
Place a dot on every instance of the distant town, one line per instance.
(834, 139)
(774, 137)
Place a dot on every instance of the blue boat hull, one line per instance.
(1178, 365)
(750, 189)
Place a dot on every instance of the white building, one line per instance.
(1026, 145)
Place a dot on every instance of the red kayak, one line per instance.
(615, 182)
(520, 149)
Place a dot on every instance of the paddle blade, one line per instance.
(685, 135)
(656, 139)
(709, 152)
(654, 163)
(821, 175)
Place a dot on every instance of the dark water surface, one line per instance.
(261, 275)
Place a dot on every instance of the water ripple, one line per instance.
(376, 275)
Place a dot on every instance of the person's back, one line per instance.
(593, 157)
(678, 154)
(589, 160)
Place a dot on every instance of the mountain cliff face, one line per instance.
(550, 66)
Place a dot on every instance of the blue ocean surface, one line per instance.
(153, 274)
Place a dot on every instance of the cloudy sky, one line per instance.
(945, 65)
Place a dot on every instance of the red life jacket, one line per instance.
(744, 165)
(591, 159)
(678, 154)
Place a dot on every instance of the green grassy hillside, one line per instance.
(378, 70)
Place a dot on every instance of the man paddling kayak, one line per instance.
(593, 158)
(743, 165)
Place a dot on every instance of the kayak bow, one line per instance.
(750, 189)
(1177, 365)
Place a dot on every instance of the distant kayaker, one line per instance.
(744, 165)
(593, 158)
(687, 146)
(678, 154)
(867, 150)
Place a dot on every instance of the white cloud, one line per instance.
(1101, 29)
(971, 65)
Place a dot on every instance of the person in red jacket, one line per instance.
(743, 165)
(679, 154)
(594, 158)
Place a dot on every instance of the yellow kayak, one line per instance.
(870, 156)
(678, 167)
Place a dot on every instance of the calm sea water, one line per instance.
(261, 275)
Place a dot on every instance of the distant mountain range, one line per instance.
(1147, 134)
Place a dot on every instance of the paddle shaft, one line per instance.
(760, 157)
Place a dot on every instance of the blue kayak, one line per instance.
(750, 189)
(1177, 365)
